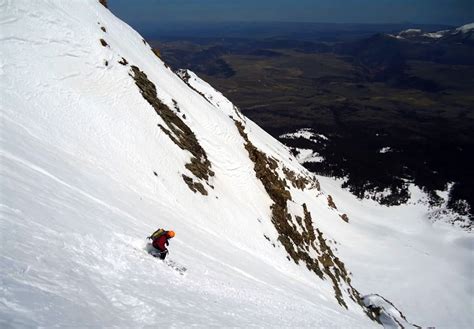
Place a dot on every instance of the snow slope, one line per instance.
(87, 173)
(425, 268)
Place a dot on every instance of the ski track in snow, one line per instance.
(75, 189)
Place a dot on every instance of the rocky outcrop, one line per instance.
(298, 235)
(179, 133)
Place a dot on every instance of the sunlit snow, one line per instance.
(80, 147)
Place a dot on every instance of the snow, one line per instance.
(411, 31)
(307, 155)
(424, 268)
(433, 35)
(408, 33)
(440, 34)
(436, 35)
(213, 96)
(466, 28)
(441, 213)
(305, 133)
(391, 317)
(79, 148)
(395, 36)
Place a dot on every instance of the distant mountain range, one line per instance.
(384, 55)
(463, 34)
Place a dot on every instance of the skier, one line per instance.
(160, 241)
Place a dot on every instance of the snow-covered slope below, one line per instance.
(424, 268)
(101, 144)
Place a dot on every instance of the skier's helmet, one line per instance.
(171, 234)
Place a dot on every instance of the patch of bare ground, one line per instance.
(178, 132)
(123, 61)
(300, 181)
(157, 52)
(344, 217)
(104, 43)
(331, 203)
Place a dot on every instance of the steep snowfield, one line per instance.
(86, 174)
(80, 146)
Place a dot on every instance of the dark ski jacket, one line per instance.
(160, 242)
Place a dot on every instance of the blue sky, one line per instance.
(454, 12)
